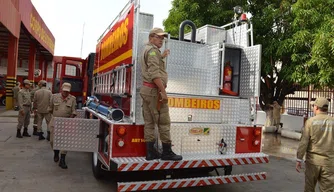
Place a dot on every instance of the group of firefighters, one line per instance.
(44, 105)
(316, 143)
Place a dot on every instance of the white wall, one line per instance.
(290, 122)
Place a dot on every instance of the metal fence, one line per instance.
(299, 103)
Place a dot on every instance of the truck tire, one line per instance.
(228, 170)
(3, 101)
(98, 172)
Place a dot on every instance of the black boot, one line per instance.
(25, 132)
(41, 137)
(62, 162)
(151, 152)
(48, 136)
(56, 155)
(168, 154)
(18, 134)
(35, 131)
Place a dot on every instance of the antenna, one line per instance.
(82, 38)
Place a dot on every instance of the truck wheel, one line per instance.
(228, 170)
(3, 101)
(96, 167)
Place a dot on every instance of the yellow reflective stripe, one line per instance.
(118, 59)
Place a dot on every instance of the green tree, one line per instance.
(272, 27)
(201, 12)
(312, 42)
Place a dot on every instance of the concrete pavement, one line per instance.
(26, 165)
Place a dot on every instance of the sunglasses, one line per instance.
(159, 37)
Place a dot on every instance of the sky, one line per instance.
(70, 20)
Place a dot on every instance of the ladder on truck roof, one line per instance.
(112, 83)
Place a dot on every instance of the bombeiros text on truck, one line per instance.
(213, 84)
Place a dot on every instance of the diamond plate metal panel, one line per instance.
(235, 111)
(250, 71)
(139, 112)
(245, 112)
(74, 134)
(208, 34)
(232, 111)
(193, 68)
(145, 21)
(80, 113)
(197, 115)
(238, 35)
(185, 143)
(142, 40)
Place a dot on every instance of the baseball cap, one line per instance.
(26, 81)
(158, 31)
(66, 87)
(320, 102)
(42, 82)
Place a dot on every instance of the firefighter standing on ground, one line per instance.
(62, 105)
(24, 104)
(33, 91)
(41, 103)
(16, 90)
(318, 143)
(155, 82)
(276, 115)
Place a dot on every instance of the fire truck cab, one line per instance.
(213, 85)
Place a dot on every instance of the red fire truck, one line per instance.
(214, 75)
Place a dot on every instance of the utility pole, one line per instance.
(82, 38)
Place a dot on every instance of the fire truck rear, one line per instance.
(213, 84)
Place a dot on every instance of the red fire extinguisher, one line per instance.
(227, 77)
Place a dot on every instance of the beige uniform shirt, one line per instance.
(318, 141)
(276, 111)
(16, 90)
(23, 98)
(63, 107)
(153, 65)
(33, 92)
(42, 99)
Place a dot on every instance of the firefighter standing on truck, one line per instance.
(318, 143)
(41, 104)
(155, 110)
(24, 103)
(33, 91)
(62, 105)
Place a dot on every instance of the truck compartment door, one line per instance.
(76, 134)
(250, 71)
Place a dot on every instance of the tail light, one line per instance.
(121, 131)
(257, 132)
(248, 140)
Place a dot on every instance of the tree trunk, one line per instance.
(269, 118)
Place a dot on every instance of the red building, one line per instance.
(26, 46)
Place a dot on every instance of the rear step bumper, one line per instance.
(189, 182)
(196, 161)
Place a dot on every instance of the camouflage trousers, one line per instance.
(152, 117)
(315, 173)
(40, 117)
(24, 119)
(52, 127)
